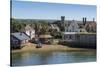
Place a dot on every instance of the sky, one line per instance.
(43, 10)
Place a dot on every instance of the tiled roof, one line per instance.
(45, 36)
(20, 36)
(91, 24)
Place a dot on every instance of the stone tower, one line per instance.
(63, 22)
(84, 20)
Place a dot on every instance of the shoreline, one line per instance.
(45, 48)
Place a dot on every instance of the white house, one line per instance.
(75, 35)
(30, 31)
(71, 28)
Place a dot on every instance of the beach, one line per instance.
(46, 47)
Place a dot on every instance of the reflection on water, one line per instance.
(39, 58)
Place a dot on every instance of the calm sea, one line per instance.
(55, 57)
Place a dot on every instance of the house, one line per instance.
(30, 31)
(78, 35)
(73, 27)
(90, 26)
(45, 39)
(18, 39)
(79, 39)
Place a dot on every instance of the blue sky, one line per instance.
(40, 10)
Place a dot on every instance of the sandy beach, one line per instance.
(45, 47)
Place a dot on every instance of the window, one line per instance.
(78, 36)
(70, 37)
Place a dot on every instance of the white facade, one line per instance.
(70, 31)
(69, 35)
(73, 27)
(30, 31)
(73, 32)
(85, 37)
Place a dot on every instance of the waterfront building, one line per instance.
(90, 26)
(30, 31)
(18, 39)
(76, 35)
(45, 39)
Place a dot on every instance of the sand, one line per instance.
(45, 47)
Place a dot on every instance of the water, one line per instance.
(40, 58)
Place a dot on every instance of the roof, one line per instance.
(72, 27)
(45, 36)
(20, 36)
(69, 32)
(93, 24)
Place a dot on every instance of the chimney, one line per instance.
(84, 20)
(62, 19)
(93, 19)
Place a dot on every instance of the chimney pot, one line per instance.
(93, 19)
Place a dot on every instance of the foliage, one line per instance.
(16, 26)
(41, 27)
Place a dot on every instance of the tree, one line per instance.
(16, 26)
